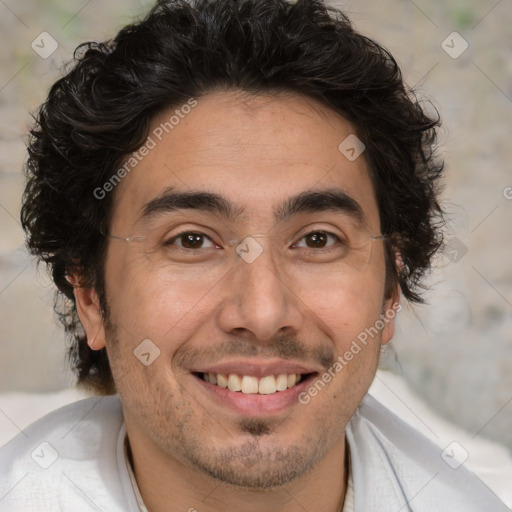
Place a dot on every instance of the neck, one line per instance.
(163, 481)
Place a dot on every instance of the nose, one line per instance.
(258, 301)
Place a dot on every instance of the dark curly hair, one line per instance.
(100, 112)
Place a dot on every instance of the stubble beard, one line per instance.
(261, 462)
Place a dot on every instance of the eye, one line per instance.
(317, 240)
(191, 240)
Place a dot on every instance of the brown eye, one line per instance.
(317, 240)
(191, 240)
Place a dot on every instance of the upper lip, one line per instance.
(261, 368)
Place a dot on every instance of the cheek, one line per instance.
(144, 306)
(353, 316)
(345, 306)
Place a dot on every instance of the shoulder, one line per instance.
(394, 465)
(65, 460)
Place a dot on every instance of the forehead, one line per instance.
(257, 151)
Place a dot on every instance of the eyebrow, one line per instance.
(333, 200)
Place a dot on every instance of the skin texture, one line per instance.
(190, 450)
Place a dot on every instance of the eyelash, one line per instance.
(183, 233)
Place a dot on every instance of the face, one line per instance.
(217, 308)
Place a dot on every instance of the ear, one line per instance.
(391, 307)
(89, 311)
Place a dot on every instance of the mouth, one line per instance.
(246, 394)
(252, 385)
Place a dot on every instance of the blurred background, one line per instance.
(456, 351)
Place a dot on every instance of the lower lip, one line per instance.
(253, 404)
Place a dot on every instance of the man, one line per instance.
(231, 197)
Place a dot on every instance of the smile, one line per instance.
(249, 384)
(251, 396)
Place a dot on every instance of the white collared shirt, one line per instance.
(74, 460)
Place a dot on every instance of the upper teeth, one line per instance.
(250, 385)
